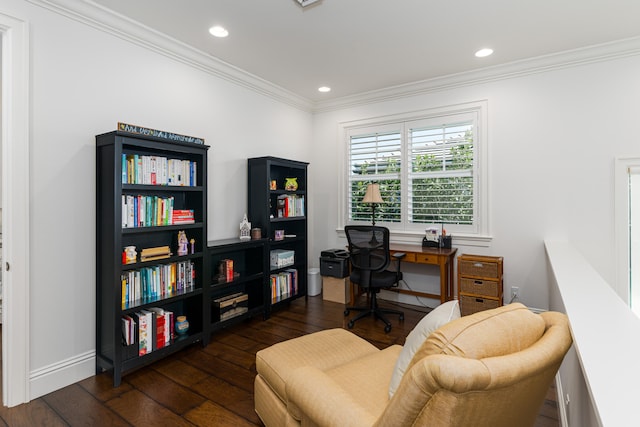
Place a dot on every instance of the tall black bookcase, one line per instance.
(140, 181)
(279, 209)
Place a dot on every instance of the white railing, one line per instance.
(600, 376)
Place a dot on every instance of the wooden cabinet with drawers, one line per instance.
(479, 283)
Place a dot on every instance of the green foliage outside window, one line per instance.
(441, 183)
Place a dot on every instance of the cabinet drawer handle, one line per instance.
(478, 282)
(478, 265)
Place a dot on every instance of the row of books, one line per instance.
(151, 329)
(157, 282)
(283, 285)
(290, 205)
(157, 170)
(149, 211)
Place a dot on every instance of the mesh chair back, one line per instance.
(368, 247)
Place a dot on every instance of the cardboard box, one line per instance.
(335, 289)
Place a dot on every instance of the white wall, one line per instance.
(83, 82)
(553, 137)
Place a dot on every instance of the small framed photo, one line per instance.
(279, 235)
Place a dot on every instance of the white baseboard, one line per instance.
(58, 375)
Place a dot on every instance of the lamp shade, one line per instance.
(373, 194)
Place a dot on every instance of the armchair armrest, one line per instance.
(314, 395)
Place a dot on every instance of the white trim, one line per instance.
(60, 374)
(621, 223)
(562, 406)
(15, 215)
(97, 16)
(556, 61)
(407, 234)
(108, 21)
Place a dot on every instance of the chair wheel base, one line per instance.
(350, 324)
(401, 317)
(346, 313)
(387, 328)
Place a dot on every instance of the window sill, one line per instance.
(416, 238)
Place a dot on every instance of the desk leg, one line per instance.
(444, 282)
(451, 276)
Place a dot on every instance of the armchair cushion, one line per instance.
(442, 314)
(323, 350)
(513, 328)
(351, 394)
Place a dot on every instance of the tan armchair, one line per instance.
(492, 368)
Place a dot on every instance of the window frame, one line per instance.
(403, 231)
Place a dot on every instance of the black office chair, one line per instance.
(370, 257)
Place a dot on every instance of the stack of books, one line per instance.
(182, 216)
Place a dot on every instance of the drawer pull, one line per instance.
(478, 282)
(478, 265)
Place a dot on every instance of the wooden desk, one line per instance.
(443, 258)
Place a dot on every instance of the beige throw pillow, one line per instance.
(439, 316)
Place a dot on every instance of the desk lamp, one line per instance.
(373, 197)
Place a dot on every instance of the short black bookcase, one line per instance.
(147, 190)
(238, 279)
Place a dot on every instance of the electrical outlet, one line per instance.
(515, 293)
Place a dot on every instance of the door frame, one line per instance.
(14, 34)
(621, 219)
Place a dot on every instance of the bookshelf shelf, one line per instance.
(159, 290)
(282, 210)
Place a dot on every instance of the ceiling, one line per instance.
(357, 46)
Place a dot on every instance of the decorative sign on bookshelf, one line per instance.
(169, 136)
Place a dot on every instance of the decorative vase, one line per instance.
(182, 325)
(291, 184)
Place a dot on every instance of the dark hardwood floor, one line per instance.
(210, 386)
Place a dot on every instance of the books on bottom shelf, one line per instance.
(157, 282)
(284, 284)
(146, 331)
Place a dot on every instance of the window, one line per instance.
(428, 167)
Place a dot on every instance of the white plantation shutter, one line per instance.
(427, 168)
(441, 184)
(374, 157)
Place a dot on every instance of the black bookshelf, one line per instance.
(242, 295)
(185, 294)
(267, 177)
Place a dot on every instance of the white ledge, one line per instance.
(606, 335)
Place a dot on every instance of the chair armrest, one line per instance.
(399, 256)
(319, 398)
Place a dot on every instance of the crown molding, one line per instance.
(108, 21)
(571, 58)
(99, 17)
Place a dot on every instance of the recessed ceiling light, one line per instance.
(484, 52)
(218, 31)
(324, 89)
